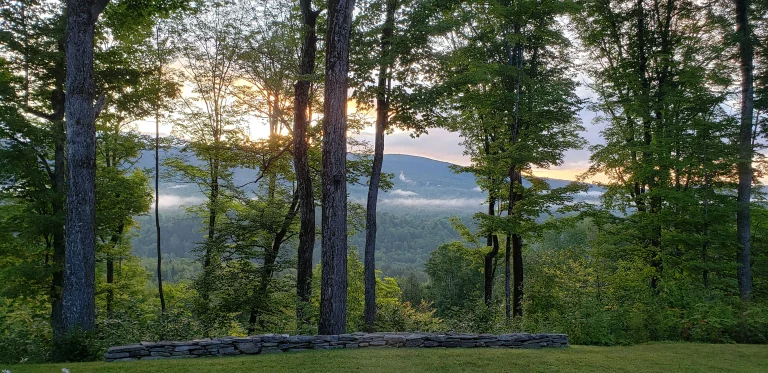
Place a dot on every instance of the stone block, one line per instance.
(126, 359)
(228, 351)
(249, 348)
(127, 348)
(116, 355)
(414, 342)
(300, 339)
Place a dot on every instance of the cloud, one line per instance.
(177, 186)
(438, 144)
(477, 189)
(171, 201)
(403, 178)
(434, 203)
(404, 193)
(591, 193)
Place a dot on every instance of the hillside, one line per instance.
(413, 216)
(419, 182)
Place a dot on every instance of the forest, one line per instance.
(183, 169)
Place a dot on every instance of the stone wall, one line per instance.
(270, 343)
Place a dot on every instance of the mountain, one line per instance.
(418, 183)
(413, 216)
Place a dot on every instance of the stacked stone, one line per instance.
(275, 343)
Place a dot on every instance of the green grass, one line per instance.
(661, 357)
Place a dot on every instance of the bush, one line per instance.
(25, 331)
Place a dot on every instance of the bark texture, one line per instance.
(78, 303)
(382, 121)
(301, 162)
(333, 291)
(744, 166)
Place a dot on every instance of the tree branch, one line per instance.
(39, 113)
(99, 106)
(96, 8)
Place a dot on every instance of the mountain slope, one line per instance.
(413, 216)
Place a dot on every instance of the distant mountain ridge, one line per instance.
(413, 216)
(418, 182)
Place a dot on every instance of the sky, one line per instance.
(443, 145)
(446, 146)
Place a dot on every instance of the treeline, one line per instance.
(675, 250)
(405, 239)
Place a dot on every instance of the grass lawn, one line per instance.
(661, 357)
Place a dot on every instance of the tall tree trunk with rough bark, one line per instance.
(744, 165)
(301, 163)
(78, 296)
(333, 291)
(382, 121)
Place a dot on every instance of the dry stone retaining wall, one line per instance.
(270, 343)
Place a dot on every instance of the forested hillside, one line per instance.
(414, 214)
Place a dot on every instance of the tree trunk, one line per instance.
(333, 292)
(58, 210)
(655, 260)
(268, 269)
(382, 121)
(514, 240)
(517, 269)
(744, 164)
(115, 240)
(301, 164)
(492, 241)
(210, 242)
(705, 245)
(110, 281)
(79, 274)
(515, 245)
(157, 173)
(508, 278)
(157, 211)
(213, 209)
